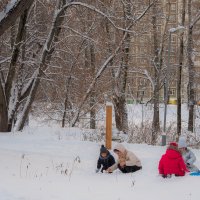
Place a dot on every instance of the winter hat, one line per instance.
(173, 144)
(119, 147)
(182, 143)
(103, 149)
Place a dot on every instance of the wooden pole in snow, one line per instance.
(108, 126)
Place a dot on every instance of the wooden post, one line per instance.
(108, 126)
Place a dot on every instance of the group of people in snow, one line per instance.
(177, 160)
(127, 160)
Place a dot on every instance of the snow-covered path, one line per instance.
(44, 166)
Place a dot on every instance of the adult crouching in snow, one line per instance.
(127, 161)
(172, 163)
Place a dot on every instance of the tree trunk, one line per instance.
(67, 102)
(191, 93)
(121, 114)
(66, 106)
(45, 58)
(92, 96)
(97, 76)
(13, 14)
(158, 62)
(179, 73)
(12, 87)
(92, 111)
(119, 97)
(9, 94)
(156, 95)
(3, 111)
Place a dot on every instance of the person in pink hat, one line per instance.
(172, 163)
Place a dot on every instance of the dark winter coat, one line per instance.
(172, 163)
(106, 162)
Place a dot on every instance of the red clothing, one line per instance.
(172, 163)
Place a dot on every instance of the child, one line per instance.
(127, 160)
(188, 156)
(172, 162)
(105, 159)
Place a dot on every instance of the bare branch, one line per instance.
(197, 18)
(12, 12)
(106, 16)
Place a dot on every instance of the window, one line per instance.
(173, 50)
(145, 50)
(137, 49)
(172, 19)
(143, 61)
(173, 38)
(140, 93)
(173, 7)
(172, 92)
(158, 29)
(172, 60)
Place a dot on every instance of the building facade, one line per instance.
(143, 55)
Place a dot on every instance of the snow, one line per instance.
(135, 114)
(177, 29)
(50, 163)
(7, 9)
(4, 60)
(109, 104)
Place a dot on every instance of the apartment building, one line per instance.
(143, 54)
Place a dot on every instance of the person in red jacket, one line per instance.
(172, 162)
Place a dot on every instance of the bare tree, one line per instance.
(119, 96)
(47, 51)
(157, 72)
(179, 70)
(191, 69)
(11, 98)
(158, 67)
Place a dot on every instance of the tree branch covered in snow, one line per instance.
(4, 60)
(196, 19)
(12, 12)
(93, 8)
(46, 48)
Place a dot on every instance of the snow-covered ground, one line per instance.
(135, 113)
(45, 163)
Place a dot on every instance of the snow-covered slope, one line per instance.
(54, 164)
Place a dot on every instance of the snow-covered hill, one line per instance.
(55, 164)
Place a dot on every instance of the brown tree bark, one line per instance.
(92, 96)
(3, 111)
(45, 58)
(191, 68)
(157, 68)
(16, 51)
(31, 90)
(11, 79)
(14, 14)
(158, 63)
(179, 72)
(119, 97)
(191, 93)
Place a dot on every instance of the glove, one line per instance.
(97, 170)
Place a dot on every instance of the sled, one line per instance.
(195, 173)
